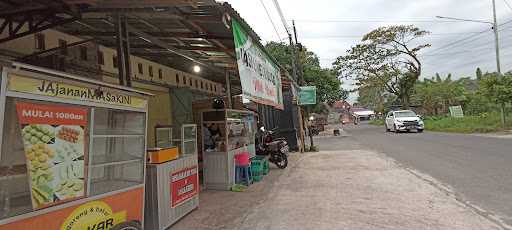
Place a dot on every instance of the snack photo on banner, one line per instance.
(54, 144)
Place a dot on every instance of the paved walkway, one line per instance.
(351, 189)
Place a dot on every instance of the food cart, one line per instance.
(71, 151)
(236, 130)
(172, 187)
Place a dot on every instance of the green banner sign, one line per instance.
(260, 77)
(307, 95)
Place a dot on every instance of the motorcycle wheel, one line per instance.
(282, 161)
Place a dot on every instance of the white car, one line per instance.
(403, 120)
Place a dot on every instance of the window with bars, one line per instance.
(114, 61)
(83, 53)
(141, 70)
(101, 58)
(63, 45)
(40, 41)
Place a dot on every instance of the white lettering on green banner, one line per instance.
(307, 95)
(259, 76)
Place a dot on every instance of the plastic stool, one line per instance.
(243, 172)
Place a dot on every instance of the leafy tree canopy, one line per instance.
(386, 57)
(327, 84)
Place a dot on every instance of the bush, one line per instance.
(376, 122)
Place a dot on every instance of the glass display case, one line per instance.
(225, 134)
(66, 149)
(172, 187)
(185, 138)
(118, 139)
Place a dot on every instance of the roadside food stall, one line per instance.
(172, 182)
(72, 151)
(229, 132)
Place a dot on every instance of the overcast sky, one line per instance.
(330, 27)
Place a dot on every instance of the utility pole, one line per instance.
(498, 65)
(496, 38)
(299, 73)
(494, 24)
(300, 79)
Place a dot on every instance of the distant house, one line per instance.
(341, 106)
(362, 113)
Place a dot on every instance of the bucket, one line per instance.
(242, 159)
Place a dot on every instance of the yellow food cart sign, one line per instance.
(68, 91)
(96, 215)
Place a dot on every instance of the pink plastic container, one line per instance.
(242, 159)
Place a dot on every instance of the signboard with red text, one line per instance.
(184, 185)
(260, 77)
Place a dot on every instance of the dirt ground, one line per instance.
(354, 189)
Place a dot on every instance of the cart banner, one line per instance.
(101, 213)
(93, 215)
(54, 139)
(184, 185)
(74, 92)
(260, 77)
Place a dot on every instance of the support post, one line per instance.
(123, 50)
(126, 50)
(301, 131)
(120, 53)
(228, 90)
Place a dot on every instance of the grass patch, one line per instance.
(484, 123)
(376, 122)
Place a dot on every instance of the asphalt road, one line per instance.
(478, 169)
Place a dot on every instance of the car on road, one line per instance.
(403, 120)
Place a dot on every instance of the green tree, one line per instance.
(436, 94)
(387, 57)
(327, 83)
(497, 89)
(479, 73)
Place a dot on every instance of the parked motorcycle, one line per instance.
(276, 148)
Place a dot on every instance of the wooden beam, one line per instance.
(55, 23)
(157, 34)
(170, 48)
(189, 48)
(203, 30)
(134, 4)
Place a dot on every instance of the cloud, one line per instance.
(330, 27)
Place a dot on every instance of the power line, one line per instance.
(373, 21)
(459, 41)
(467, 39)
(360, 36)
(508, 5)
(270, 18)
(280, 12)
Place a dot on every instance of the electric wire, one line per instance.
(280, 12)
(508, 5)
(374, 21)
(466, 39)
(271, 21)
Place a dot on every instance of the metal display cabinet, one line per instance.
(71, 151)
(237, 129)
(172, 188)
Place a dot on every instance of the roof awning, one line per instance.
(175, 33)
